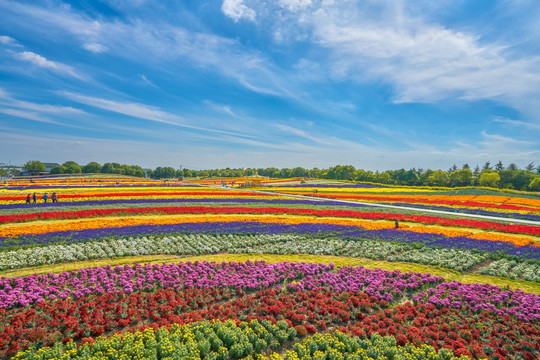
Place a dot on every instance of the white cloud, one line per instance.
(95, 47)
(426, 63)
(294, 5)
(236, 10)
(6, 40)
(42, 62)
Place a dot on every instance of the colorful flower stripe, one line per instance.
(498, 213)
(13, 230)
(306, 311)
(417, 200)
(234, 340)
(23, 291)
(97, 187)
(213, 199)
(516, 240)
(145, 193)
(533, 230)
(253, 199)
(227, 225)
(455, 327)
(240, 210)
(466, 333)
(386, 285)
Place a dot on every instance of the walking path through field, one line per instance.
(315, 198)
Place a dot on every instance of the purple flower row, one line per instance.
(24, 291)
(480, 297)
(383, 284)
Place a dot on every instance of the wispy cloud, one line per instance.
(95, 47)
(301, 133)
(30, 115)
(43, 62)
(148, 82)
(518, 123)
(8, 100)
(141, 111)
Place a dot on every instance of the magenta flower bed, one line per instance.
(478, 297)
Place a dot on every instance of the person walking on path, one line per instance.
(54, 198)
(45, 197)
(28, 199)
(34, 197)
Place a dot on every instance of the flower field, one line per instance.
(255, 309)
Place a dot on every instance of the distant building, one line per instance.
(48, 168)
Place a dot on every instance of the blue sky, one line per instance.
(248, 83)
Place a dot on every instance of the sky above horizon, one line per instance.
(246, 83)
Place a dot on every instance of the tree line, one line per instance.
(496, 176)
(71, 167)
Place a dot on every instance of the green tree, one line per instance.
(438, 178)
(506, 178)
(512, 166)
(462, 177)
(521, 179)
(423, 178)
(34, 166)
(487, 166)
(535, 184)
(111, 168)
(530, 167)
(499, 166)
(166, 172)
(91, 168)
(489, 179)
(72, 167)
(60, 169)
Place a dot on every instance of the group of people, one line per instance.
(33, 198)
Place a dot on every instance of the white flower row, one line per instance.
(513, 270)
(459, 260)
